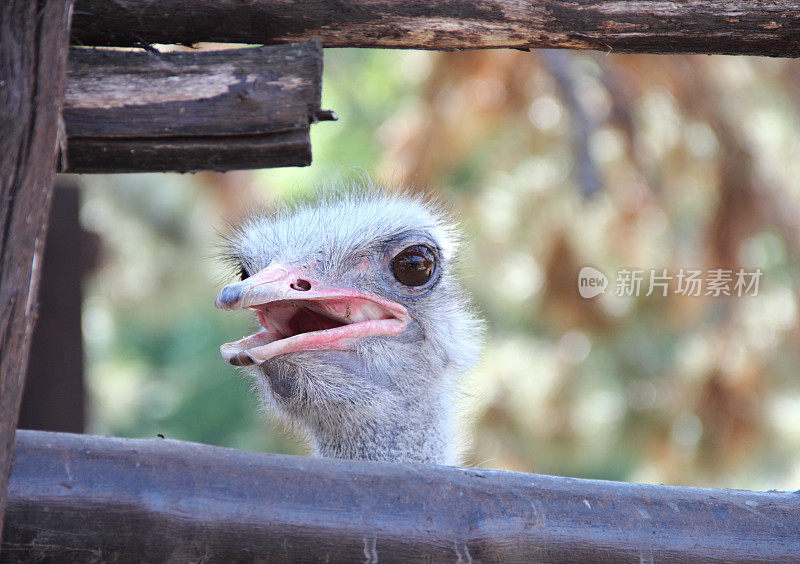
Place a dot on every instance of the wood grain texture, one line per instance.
(129, 111)
(76, 497)
(754, 27)
(33, 54)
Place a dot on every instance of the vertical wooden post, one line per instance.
(53, 398)
(33, 57)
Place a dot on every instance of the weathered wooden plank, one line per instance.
(113, 93)
(33, 54)
(103, 155)
(753, 27)
(75, 497)
(130, 111)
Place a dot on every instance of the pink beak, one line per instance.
(298, 313)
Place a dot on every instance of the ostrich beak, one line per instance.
(272, 283)
(298, 313)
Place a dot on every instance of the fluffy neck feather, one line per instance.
(401, 430)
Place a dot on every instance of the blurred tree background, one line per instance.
(552, 161)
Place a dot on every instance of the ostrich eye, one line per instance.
(414, 265)
(243, 274)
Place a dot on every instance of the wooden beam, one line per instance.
(753, 27)
(75, 497)
(134, 111)
(33, 56)
(104, 155)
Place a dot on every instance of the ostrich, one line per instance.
(363, 328)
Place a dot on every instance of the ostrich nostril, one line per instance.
(301, 285)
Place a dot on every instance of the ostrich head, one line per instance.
(363, 327)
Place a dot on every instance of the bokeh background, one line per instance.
(552, 160)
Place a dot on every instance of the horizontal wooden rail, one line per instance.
(76, 497)
(134, 111)
(754, 27)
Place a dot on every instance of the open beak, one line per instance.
(297, 313)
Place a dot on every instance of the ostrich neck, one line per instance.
(408, 431)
